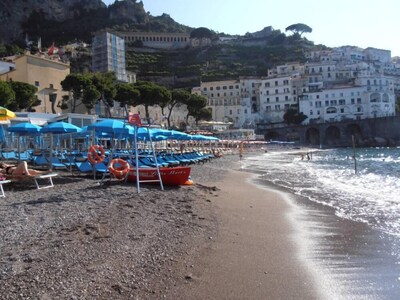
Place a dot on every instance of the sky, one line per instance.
(362, 23)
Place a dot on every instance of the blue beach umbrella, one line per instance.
(58, 128)
(110, 126)
(24, 129)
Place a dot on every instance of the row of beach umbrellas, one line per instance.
(106, 128)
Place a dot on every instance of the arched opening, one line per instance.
(332, 135)
(385, 97)
(375, 97)
(271, 135)
(312, 136)
(331, 110)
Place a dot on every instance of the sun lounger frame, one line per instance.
(1, 187)
(49, 177)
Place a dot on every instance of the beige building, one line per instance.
(43, 72)
(158, 40)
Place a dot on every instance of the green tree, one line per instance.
(106, 85)
(151, 94)
(194, 105)
(203, 114)
(7, 94)
(25, 95)
(292, 116)
(127, 95)
(178, 97)
(75, 83)
(164, 99)
(299, 28)
(201, 33)
(90, 97)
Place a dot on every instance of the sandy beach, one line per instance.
(221, 238)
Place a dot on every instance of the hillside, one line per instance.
(63, 21)
(187, 67)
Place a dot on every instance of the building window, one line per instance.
(51, 86)
(331, 110)
(277, 99)
(230, 111)
(37, 83)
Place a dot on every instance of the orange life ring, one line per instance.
(119, 167)
(96, 154)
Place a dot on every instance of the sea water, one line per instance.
(356, 203)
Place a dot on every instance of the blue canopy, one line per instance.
(60, 127)
(25, 128)
(110, 126)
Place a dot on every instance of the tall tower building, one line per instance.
(108, 54)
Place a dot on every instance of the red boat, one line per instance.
(169, 176)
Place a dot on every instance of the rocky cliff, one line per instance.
(19, 16)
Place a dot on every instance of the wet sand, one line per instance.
(253, 255)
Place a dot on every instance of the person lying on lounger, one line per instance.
(20, 169)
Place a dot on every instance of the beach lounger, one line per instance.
(4, 181)
(42, 181)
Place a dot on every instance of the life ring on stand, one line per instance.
(119, 167)
(96, 154)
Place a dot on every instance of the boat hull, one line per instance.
(169, 176)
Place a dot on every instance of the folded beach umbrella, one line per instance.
(6, 114)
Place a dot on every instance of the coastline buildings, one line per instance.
(108, 54)
(340, 84)
(163, 40)
(44, 72)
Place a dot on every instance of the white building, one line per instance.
(335, 85)
(223, 100)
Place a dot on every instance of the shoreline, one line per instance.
(231, 235)
(253, 253)
(349, 259)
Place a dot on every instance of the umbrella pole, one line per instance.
(19, 148)
(137, 160)
(51, 153)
